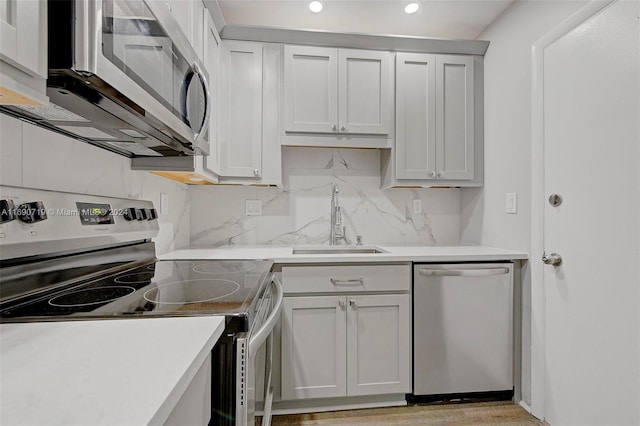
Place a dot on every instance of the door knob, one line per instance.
(553, 259)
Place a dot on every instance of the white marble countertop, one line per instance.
(284, 254)
(109, 372)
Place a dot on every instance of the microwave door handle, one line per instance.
(261, 335)
(184, 90)
(196, 70)
(204, 126)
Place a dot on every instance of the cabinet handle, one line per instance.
(432, 174)
(256, 172)
(439, 174)
(342, 304)
(334, 127)
(353, 304)
(480, 272)
(343, 129)
(354, 281)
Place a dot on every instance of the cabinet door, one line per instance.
(364, 82)
(310, 89)
(241, 110)
(454, 117)
(378, 344)
(23, 35)
(198, 27)
(415, 116)
(313, 347)
(211, 42)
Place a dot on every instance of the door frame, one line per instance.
(538, 306)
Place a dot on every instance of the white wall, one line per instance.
(301, 214)
(33, 157)
(507, 111)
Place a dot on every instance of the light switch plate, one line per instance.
(511, 200)
(253, 207)
(417, 206)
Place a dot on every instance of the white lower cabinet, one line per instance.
(314, 346)
(346, 345)
(378, 344)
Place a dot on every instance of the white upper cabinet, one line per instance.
(454, 117)
(23, 52)
(211, 59)
(415, 116)
(310, 89)
(364, 95)
(340, 91)
(435, 118)
(241, 111)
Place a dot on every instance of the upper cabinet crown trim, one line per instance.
(354, 40)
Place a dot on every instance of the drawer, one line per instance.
(346, 278)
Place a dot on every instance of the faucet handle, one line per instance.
(338, 215)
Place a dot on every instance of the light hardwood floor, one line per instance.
(476, 413)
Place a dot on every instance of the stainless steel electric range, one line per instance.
(67, 257)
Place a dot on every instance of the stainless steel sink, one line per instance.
(338, 250)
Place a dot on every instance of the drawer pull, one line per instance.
(486, 272)
(354, 281)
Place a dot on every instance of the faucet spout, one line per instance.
(336, 218)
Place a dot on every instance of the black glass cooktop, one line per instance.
(159, 288)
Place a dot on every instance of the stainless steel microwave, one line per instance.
(124, 77)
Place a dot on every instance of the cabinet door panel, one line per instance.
(313, 347)
(364, 91)
(415, 116)
(310, 89)
(211, 42)
(454, 97)
(378, 344)
(241, 113)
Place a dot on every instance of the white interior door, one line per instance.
(591, 84)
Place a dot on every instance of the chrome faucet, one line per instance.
(336, 219)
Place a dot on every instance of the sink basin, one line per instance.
(338, 250)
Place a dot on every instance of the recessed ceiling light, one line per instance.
(315, 6)
(411, 8)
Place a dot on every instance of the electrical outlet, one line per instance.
(417, 206)
(511, 201)
(253, 207)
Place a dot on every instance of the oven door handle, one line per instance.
(261, 335)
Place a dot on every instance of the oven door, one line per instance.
(137, 47)
(254, 358)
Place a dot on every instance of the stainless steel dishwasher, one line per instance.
(462, 331)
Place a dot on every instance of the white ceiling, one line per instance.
(452, 19)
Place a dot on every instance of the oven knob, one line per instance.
(153, 214)
(7, 211)
(142, 214)
(31, 212)
(129, 214)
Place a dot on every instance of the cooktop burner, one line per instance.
(91, 296)
(191, 291)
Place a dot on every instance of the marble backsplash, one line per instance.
(300, 214)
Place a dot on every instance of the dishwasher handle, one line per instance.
(478, 272)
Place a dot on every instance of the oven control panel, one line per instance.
(35, 222)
